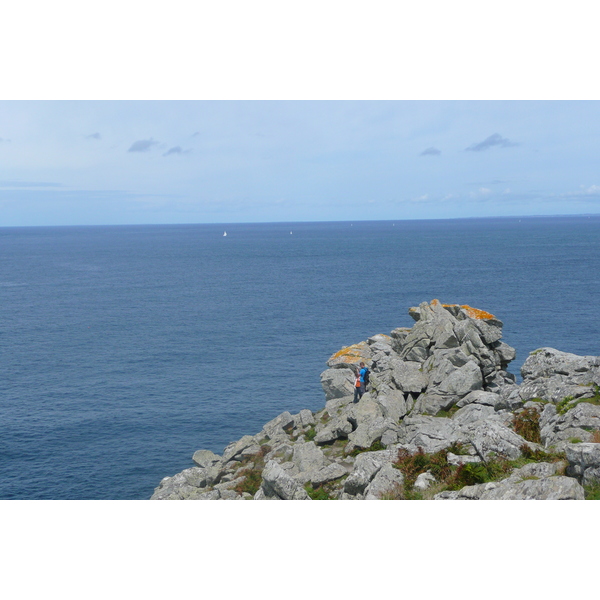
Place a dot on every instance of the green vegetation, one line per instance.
(322, 492)
(570, 402)
(452, 477)
(376, 445)
(310, 434)
(575, 440)
(253, 474)
(446, 413)
(592, 492)
(527, 424)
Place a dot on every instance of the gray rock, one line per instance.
(235, 448)
(189, 484)
(304, 418)
(367, 433)
(462, 380)
(209, 495)
(407, 376)
(281, 452)
(584, 462)
(550, 488)
(366, 466)
(388, 480)
(276, 427)
(337, 428)
(472, 413)
(429, 433)
(546, 362)
(337, 383)
(424, 481)
(534, 481)
(393, 404)
(336, 406)
(579, 422)
(480, 397)
(250, 451)
(398, 336)
(461, 459)
(351, 356)
(328, 473)
(492, 437)
(205, 458)
(276, 482)
(308, 457)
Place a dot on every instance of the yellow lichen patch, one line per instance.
(474, 313)
(349, 355)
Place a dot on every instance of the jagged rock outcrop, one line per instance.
(440, 388)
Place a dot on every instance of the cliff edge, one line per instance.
(442, 418)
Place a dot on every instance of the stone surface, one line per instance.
(337, 383)
(205, 458)
(452, 359)
(276, 482)
(424, 480)
(388, 480)
(580, 422)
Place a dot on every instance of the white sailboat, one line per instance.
(224, 234)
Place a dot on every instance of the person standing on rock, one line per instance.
(357, 386)
(364, 378)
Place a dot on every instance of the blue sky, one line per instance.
(126, 162)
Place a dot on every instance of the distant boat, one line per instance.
(290, 233)
(224, 234)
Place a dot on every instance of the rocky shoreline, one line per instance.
(441, 419)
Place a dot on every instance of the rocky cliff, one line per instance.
(441, 419)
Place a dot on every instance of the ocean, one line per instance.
(127, 348)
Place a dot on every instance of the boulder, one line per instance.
(407, 376)
(584, 462)
(492, 437)
(304, 418)
(276, 482)
(480, 397)
(205, 458)
(182, 485)
(557, 430)
(367, 433)
(534, 481)
(235, 448)
(337, 383)
(328, 473)
(275, 428)
(351, 356)
(424, 481)
(547, 362)
(366, 466)
(472, 413)
(429, 433)
(335, 429)
(550, 488)
(388, 480)
(308, 457)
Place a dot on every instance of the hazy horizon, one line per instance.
(132, 162)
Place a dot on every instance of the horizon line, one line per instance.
(228, 223)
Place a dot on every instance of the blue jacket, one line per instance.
(362, 374)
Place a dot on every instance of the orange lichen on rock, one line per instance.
(350, 355)
(474, 313)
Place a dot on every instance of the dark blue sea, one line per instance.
(125, 349)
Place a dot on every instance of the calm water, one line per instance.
(126, 349)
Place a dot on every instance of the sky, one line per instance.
(84, 162)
